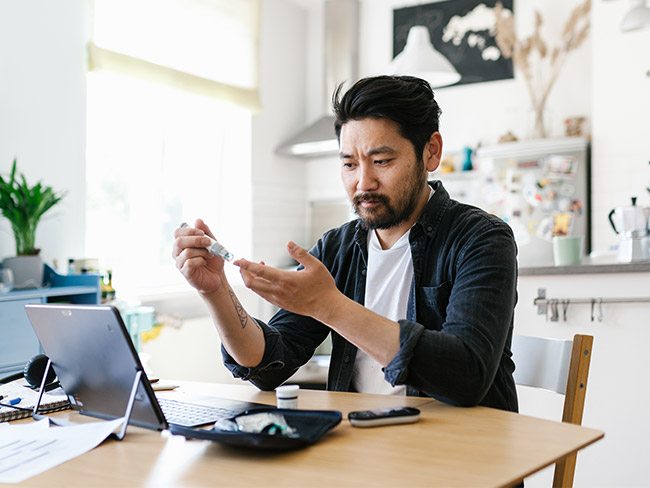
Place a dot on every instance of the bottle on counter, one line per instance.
(108, 292)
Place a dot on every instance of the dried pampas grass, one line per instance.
(531, 54)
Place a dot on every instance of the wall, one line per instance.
(43, 113)
(621, 116)
(279, 194)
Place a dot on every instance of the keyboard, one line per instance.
(191, 414)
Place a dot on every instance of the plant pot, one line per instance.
(27, 270)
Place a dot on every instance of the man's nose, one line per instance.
(367, 178)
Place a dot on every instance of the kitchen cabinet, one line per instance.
(617, 397)
(18, 343)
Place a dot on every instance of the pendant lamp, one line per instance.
(419, 58)
(637, 17)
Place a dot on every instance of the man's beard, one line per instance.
(389, 214)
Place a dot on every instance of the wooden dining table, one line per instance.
(449, 446)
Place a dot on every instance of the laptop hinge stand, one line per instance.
(129, 406)
(41, 390)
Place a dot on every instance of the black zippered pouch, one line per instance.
(308, 426)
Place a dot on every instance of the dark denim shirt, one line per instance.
(455, 339)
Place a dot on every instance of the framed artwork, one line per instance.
(463, 31)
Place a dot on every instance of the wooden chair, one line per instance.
(562, 366)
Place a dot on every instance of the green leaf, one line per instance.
(24, 206)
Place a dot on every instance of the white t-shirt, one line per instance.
(388, 283)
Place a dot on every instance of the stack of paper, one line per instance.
(29, 449)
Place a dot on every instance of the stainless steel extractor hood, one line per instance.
(341, 65)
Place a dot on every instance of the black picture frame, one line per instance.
(469, 55)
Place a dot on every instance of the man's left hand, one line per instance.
(310, 291)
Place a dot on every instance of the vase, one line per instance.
(538, 123)
(27, 271)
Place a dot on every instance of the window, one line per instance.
(166, 143)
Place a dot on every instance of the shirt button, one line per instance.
(429, 228)
(346, 359)
(363, 272)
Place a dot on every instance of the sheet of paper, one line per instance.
(31, 427)
(30, 449)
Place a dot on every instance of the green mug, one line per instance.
(567, 250)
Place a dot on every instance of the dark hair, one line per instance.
(406, 100)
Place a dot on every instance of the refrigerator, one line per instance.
(541, 188)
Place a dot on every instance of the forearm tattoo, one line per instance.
(241, 313)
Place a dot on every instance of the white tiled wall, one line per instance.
(279, 195)
(280, 215)
(324, 179)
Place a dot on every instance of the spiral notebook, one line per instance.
(50, 402)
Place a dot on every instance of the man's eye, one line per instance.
(382, 161)
(349, 165)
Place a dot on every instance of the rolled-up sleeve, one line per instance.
(290, 340)
(396, 371)
(268, 362)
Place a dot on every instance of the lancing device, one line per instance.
(216, 248)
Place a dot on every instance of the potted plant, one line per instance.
(24, 206)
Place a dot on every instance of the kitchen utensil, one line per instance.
(631, 224)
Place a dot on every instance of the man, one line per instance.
(418, 293)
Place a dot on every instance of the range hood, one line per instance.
(341, 65)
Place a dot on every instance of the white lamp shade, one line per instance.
(637, 17)
(419, 58)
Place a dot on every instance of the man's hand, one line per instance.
(310, 291)
(202, 269)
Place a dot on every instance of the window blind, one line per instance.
(208, 47)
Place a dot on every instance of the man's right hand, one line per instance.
(202, 269)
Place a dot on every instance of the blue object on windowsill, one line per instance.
(467, 159)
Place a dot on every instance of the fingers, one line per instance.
(189, 252)
(183, 242)
(256, 270)
(300, 254)
(257, 284)
(262, 279)
(190, 237)
(200, 228)
(199, 224)
(191, 260)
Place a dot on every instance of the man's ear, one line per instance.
(433, 152)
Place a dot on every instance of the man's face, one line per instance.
(382, 175)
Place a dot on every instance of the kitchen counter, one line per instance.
(587, 267)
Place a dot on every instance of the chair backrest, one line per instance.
(562, 366)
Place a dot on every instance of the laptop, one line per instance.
(96, 364)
